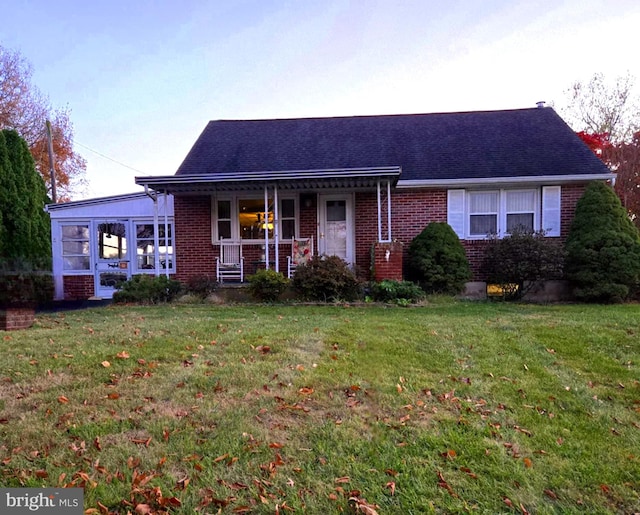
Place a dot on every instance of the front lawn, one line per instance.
(454, 407)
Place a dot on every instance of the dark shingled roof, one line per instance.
(443, 146)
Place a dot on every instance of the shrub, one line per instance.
(148, 289)
(24, 284)
(437, 260)
(518, 262)
(326, 279)
(201, 286)
(396, 291)
(603, 248)
(267, 285)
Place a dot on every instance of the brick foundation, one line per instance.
(78, 287)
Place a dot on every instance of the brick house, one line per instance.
(363, 187)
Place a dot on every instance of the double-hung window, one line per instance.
(245, 218)
(478, 214)
(483, 212)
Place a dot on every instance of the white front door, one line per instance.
(112, 262)
(336, 229)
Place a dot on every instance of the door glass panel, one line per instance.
(336, 228)
(112, 241)
(336, 210)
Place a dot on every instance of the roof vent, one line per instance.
(540, 104)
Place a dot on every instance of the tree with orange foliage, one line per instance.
(24, 109)
(607, 118)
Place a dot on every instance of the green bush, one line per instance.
(147, 289)
(25, 283)
(519, 261)
(603, 248)
(267, 285)
(437, 260)
(398, 292)
(326, 279)
(201, 286)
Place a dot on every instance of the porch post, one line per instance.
(389, 210)
(166, 235)
(276, 223)
(156, 239)
(379, 211)
(266, 226)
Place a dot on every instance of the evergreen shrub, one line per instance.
(603, 248)
(147, 289)
(437, 260)
(267, 285)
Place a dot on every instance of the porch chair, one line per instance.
(230, 263)
(301, 253)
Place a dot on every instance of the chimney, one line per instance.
(540, 104)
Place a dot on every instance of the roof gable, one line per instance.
(442, 146)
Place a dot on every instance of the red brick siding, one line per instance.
(412, 211)
(78, 287)
(194, 251)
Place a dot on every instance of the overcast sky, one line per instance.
(142, 78)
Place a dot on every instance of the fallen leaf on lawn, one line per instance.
(508, 502)
(399, 388)
(523, 510)
(276, 445)
(527, 462)
(62, 399)
(605, 488)
(123, 355)
(106, 364)
(143, 509)
(305, 391)
(391, 485)
(96, 443)
(343, 479)
(263, 349)
(221, 458)
(42, 474)
(469, 473)
(551, 494)
(113, 396)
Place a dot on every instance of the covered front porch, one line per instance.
(344, 212)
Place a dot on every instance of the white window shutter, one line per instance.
(455, 211)
(551, 210)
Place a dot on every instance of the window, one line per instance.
(478, 214)
(245, 218)
(75, 247)
(483, 213)
(145, 246)
(520, 210)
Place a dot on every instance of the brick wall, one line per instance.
(412, 211)
(194, 251)
(78, 287)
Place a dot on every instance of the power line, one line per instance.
(109, 158)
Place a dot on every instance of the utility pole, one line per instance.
(52, 167)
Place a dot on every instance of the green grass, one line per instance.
(452, 407)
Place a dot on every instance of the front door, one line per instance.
(336, 231)
(112, 256)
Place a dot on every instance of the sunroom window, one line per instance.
(75, 247)
(145, 246)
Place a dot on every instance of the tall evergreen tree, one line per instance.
(603, 248)
(24, 225)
